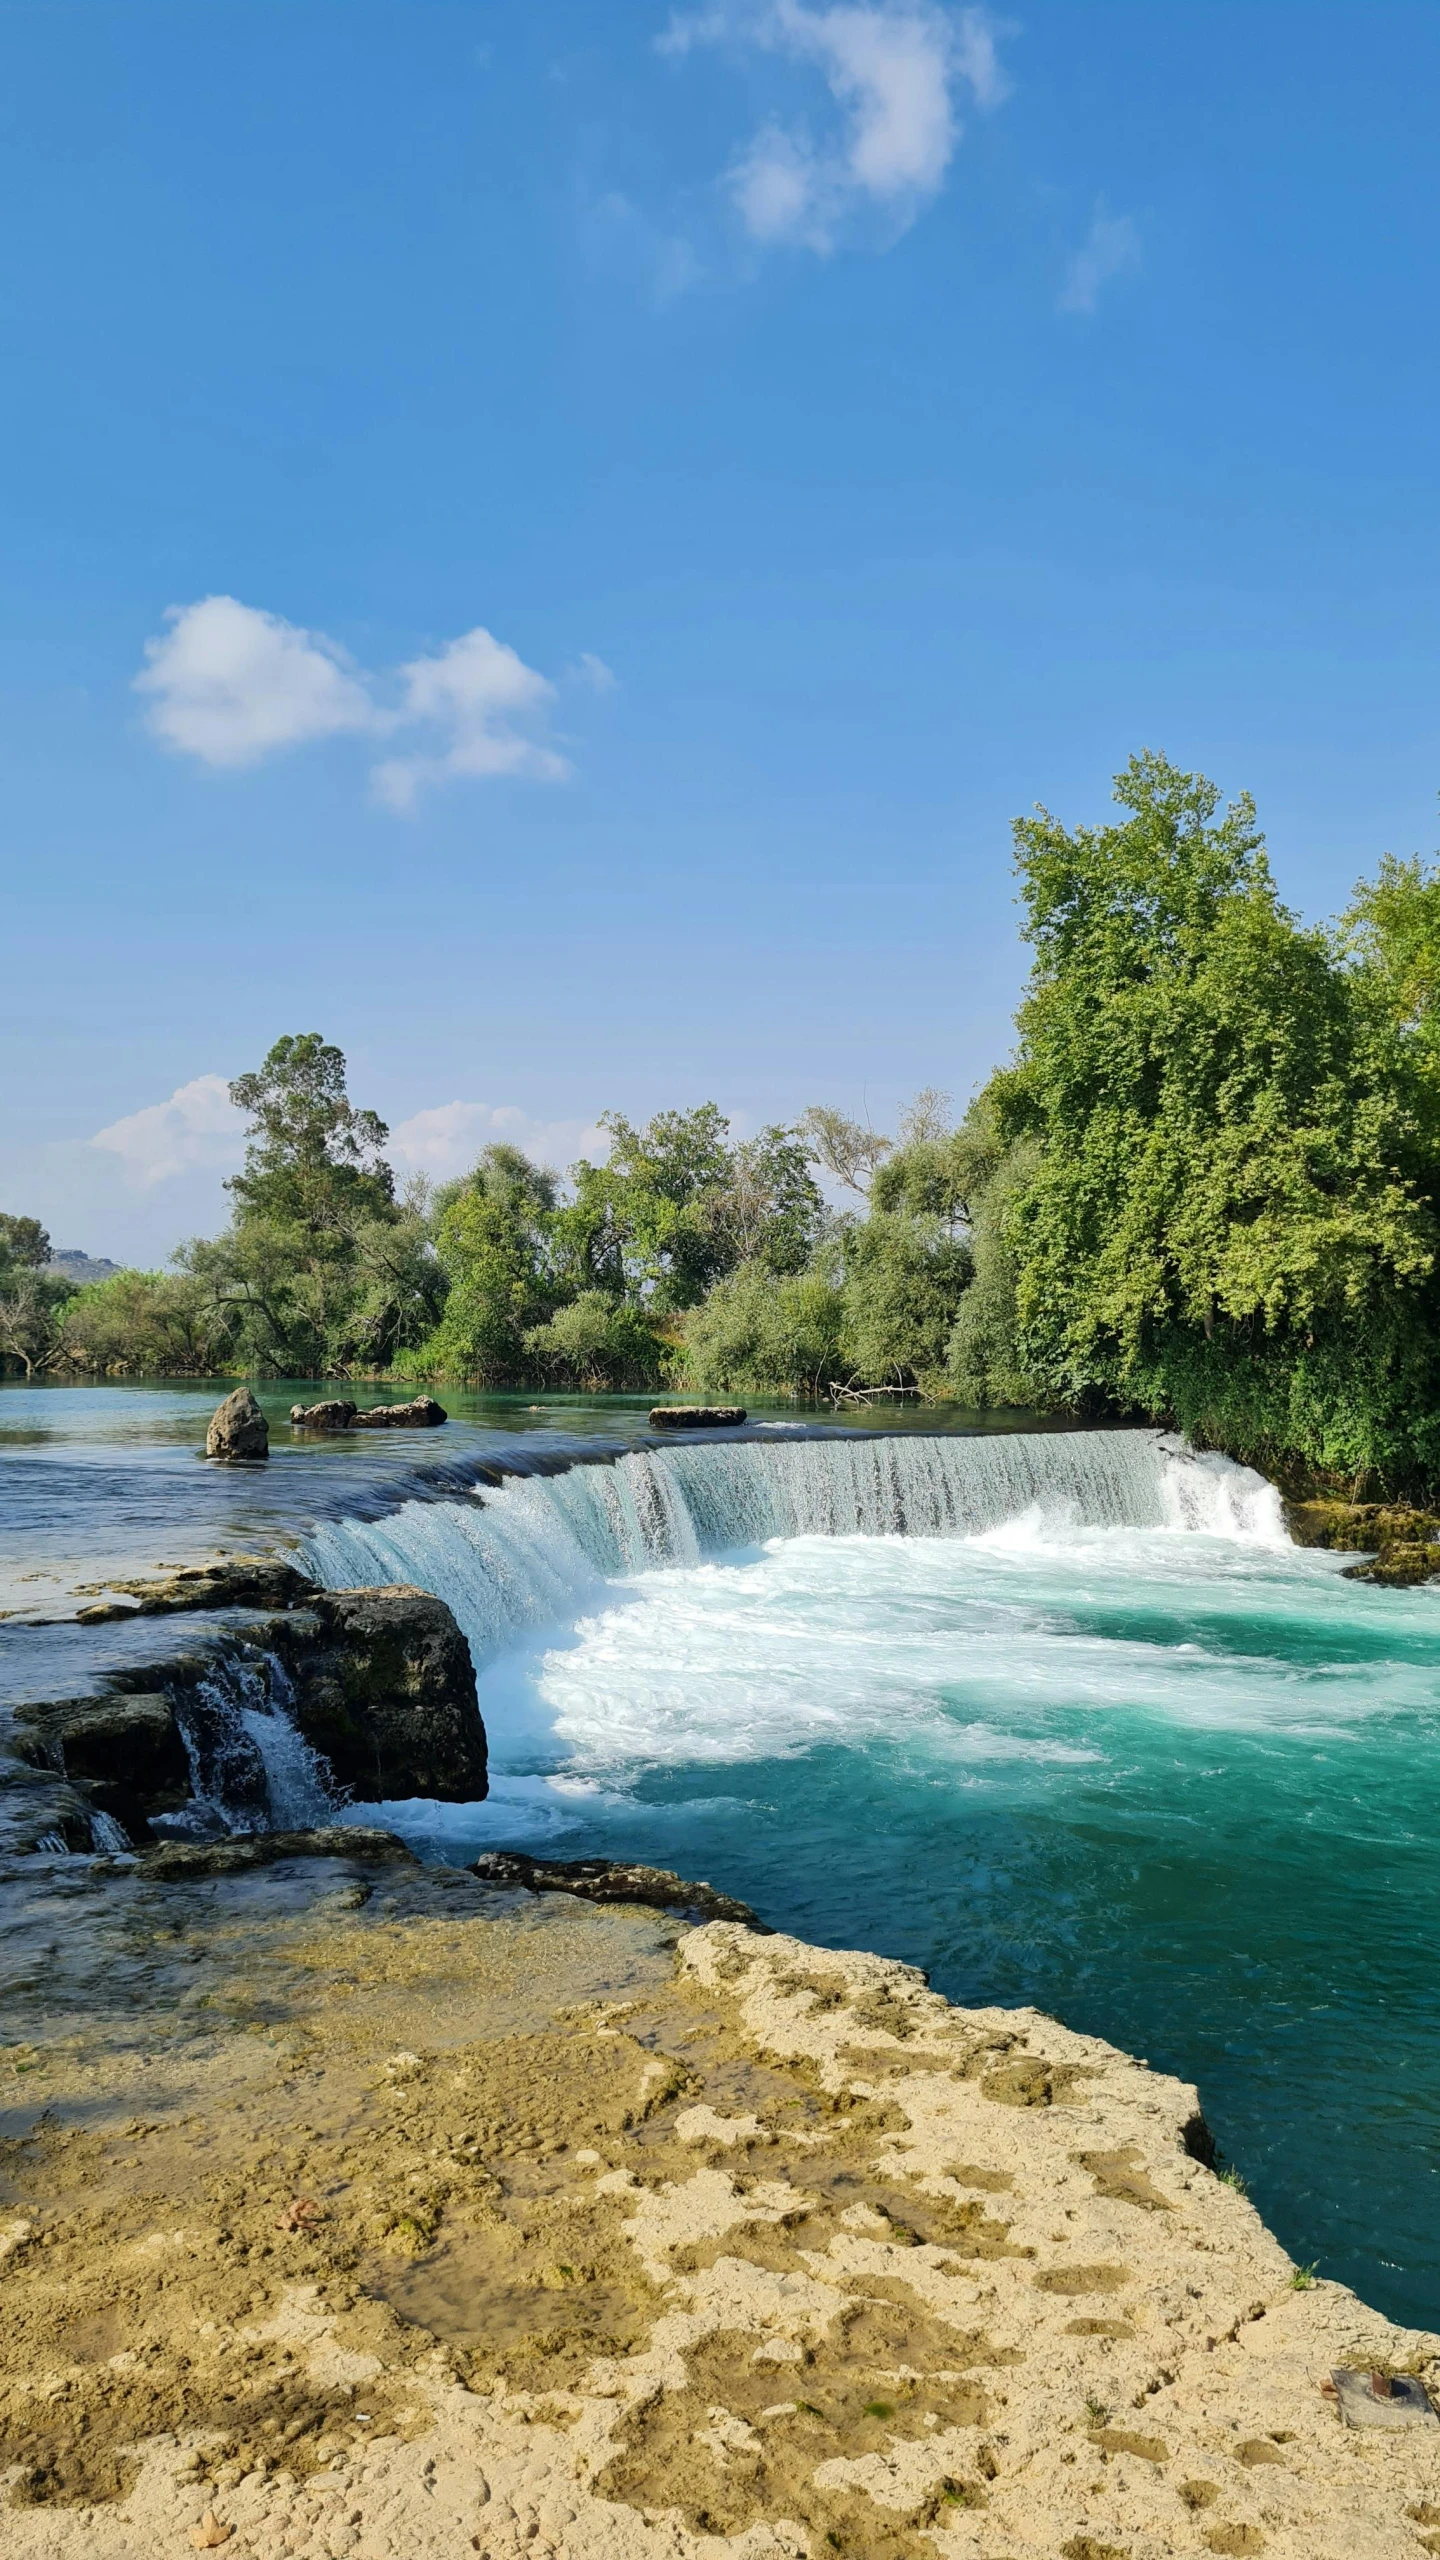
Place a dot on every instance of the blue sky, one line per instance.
(683, 481)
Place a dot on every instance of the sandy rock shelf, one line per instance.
(375, 2210)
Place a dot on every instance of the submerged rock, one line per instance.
(384, 1686)
(177, 1861)
(614, 1880)
(696, 1417)
(238, 1429)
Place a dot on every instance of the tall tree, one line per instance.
(1231, 1212)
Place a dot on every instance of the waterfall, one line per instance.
(250, 1768)
(528, 1554)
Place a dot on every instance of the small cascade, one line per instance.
(250, 1769)
(109, 1838)
(298, 1790)
(532, 1553)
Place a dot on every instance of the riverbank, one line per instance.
(369, 2209)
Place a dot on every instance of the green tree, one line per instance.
(904, 1278)
(764, 1333)
(32, 1299)
(676, 1206)
(313, 1161)
(597, 1343)
(1229, 1214)
(145, 1324)
(319, 1272)
(494, 1243)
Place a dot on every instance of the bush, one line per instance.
(766, 1334)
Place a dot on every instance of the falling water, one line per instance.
(531, 1553)
(250, 1768)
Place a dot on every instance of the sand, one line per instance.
(374, 2211)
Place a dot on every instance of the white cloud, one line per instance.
(198, 1128)
(601, 678)
(449, 1139)
(472, 695)
(230, 685)
(1111, 247)
(892, 68)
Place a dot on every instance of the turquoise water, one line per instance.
(1064, 1719)
(1159, 1773)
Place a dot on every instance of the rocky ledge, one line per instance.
(379, 1682)
(614, 1880)
(1400, 1545)
(432, 2219)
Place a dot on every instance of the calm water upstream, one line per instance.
(1063, 1718)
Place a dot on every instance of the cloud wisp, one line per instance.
(893, 69)
(230, 685)
(198, 1129)
(1111, 247)
(450, 1138)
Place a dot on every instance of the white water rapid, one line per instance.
(532, 1553)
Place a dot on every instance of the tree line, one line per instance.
(1203, 1189)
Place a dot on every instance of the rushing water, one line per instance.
(1063, 1720)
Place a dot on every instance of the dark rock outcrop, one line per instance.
(613, 1880)
(337, 1413)
(238, 1429)
(130, 1741)
(121, 1753)
(421, 1414)
(177, 1862)
(696, 1417)
(384, 1686)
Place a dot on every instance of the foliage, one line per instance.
(761, 1333)
(144, 1324)
(313, 1162)
(32, 1299)
(676, 1207)
(905, 1274)
(493, 1242)
(1229, 1213)
(599, 1344)
(849, 1153)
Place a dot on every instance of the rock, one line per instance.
(385, 1688)
(238, 1429)
(1400, 1545)
(38, 1810)
(125, 1742)
(337, 1413)
(696, 1417)
(421, 1415)
(177, 1861)
(231, 1582)
(612, 1880)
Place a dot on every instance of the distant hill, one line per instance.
(81, 1267)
